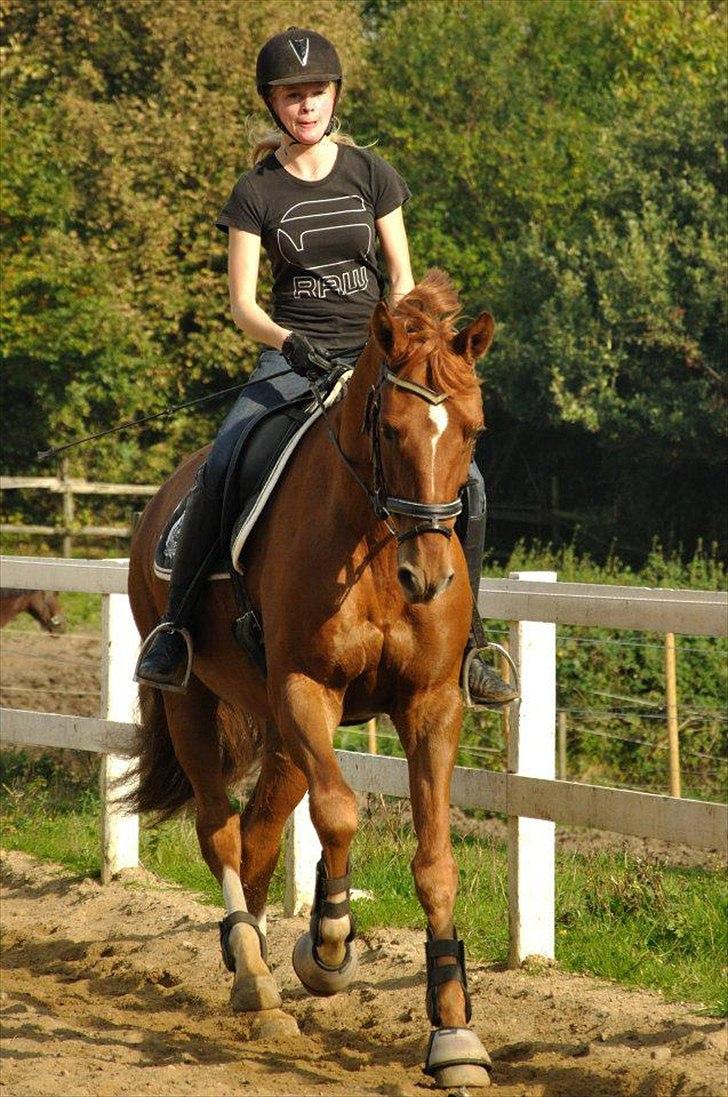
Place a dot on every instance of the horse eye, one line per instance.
(389, 432)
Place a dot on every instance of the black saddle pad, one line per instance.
(264, 448)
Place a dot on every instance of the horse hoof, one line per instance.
(274, 1024)
(316, 978)
(258, 992)
(465, 1074)
(456, 1057)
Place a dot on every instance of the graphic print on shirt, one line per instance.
(312, 239)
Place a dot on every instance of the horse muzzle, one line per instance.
(420, 583)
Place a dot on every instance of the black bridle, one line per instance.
(383, 504)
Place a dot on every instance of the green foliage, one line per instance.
(568, 169)
(124, 134)
(573, 171)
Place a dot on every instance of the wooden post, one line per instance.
(673, 738)
(532, 753)
(303, 851)
(120, 643)
(562, 746)
(67, 509)
(372, 734)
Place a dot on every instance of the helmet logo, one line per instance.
(300, 48)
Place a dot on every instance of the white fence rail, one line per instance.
(527, 794)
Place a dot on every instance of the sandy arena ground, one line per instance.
(121, 989)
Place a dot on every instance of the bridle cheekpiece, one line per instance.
(386, 505)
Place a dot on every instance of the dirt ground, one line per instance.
(121, 990)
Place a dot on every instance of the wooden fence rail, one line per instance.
(527, 793)
(68, 488)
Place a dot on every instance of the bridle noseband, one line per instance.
(383, 504)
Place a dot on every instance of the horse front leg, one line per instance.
(308, 714)
(430, 729)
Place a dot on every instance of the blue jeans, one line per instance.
(271, 383)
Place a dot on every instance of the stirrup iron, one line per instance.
(473, 653)
(166, 626)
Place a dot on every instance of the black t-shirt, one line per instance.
(320, 239)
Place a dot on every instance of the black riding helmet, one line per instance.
(297, 56)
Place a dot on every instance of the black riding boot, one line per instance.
(165, 660)
(484, 686)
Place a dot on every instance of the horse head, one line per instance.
(423, 417)
(45, 607)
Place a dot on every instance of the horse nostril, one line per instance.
(409, 581)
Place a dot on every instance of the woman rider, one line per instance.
(314, 202)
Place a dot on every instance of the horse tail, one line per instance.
(163, 786)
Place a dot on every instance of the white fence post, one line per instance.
(303, 851)
(531, 753)
(120, 643)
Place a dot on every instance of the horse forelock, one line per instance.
(429, 313)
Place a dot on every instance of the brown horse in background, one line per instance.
(363, 613)
(43, 605)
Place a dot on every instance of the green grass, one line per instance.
(618, 917)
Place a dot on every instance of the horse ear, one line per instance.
(473, 341)
(388, 331)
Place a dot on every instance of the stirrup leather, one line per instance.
(166, 626)
(437, 974)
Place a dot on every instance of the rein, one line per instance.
(383, 504)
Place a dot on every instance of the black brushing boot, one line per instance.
(165, 660)
(483, 687)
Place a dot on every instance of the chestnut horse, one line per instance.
(43, 605)
(366, 608)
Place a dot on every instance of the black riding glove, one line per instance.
(304, 358)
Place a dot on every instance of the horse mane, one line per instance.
(429, 313)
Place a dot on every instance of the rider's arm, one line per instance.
(243, 262)
(395, 249)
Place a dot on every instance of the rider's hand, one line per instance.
(303, 357)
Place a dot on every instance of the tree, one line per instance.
(568, 171)
(124, 133)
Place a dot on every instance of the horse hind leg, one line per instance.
(194, 731)
(278, 790)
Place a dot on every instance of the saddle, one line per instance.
(265, 446)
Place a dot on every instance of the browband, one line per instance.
(412, 386)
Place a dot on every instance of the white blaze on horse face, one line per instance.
(438, 417)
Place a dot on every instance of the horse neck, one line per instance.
(348, 421)
(353, 407)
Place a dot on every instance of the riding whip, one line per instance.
(41, 455)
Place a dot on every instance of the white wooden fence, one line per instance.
(527, 793)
